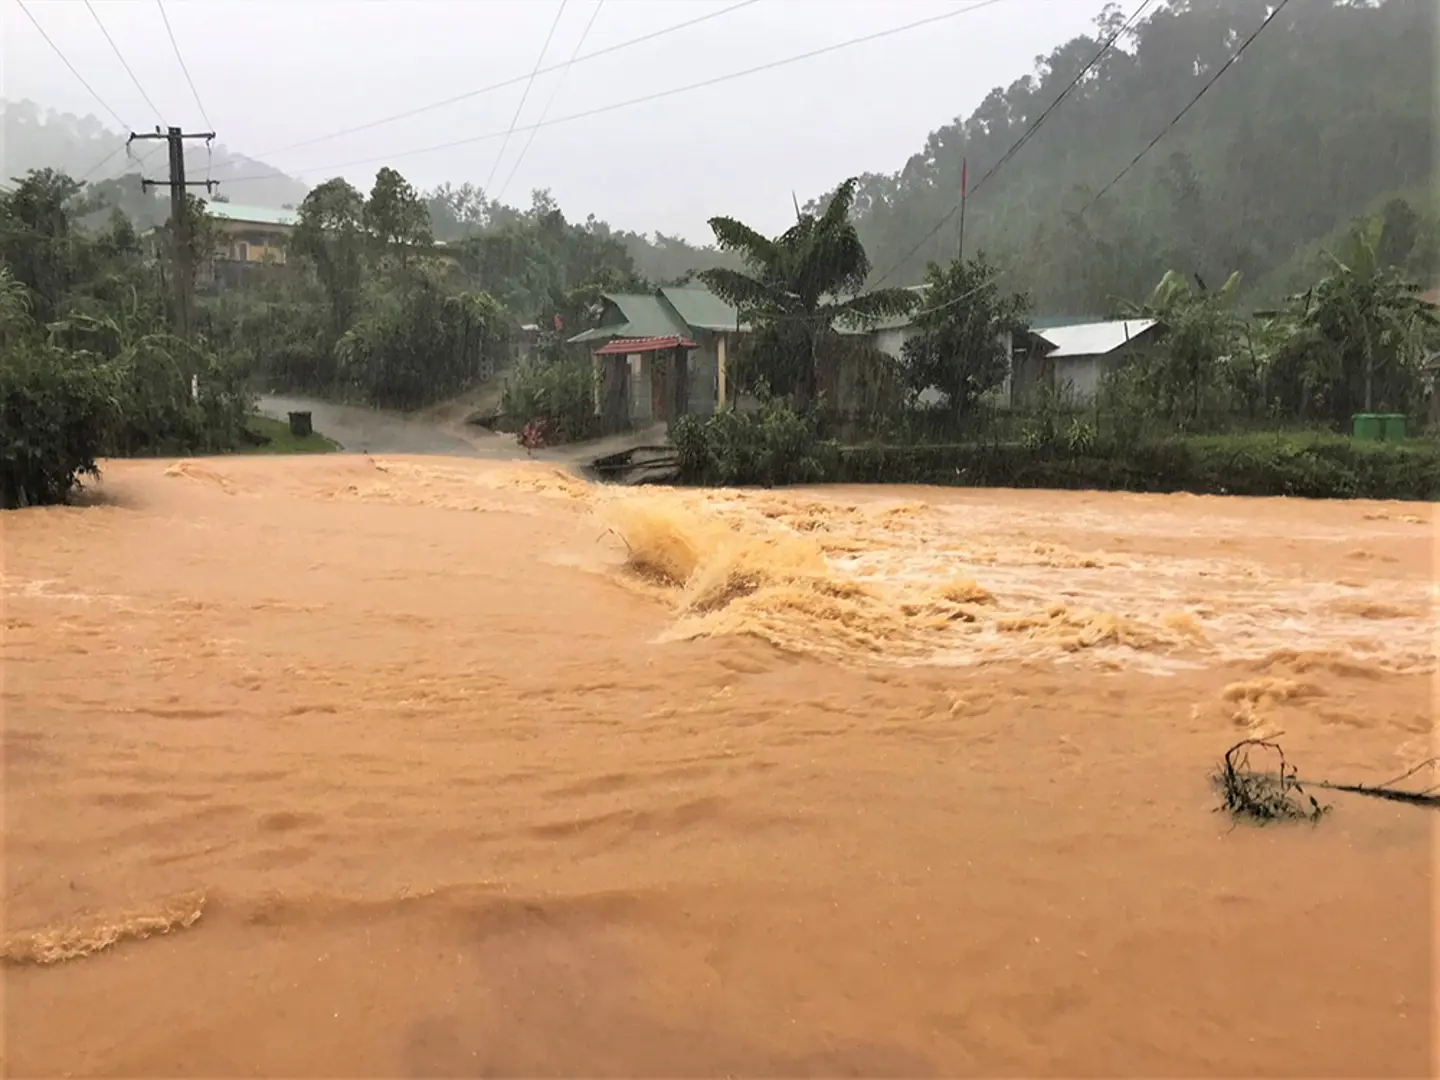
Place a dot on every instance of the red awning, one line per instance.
(626, 346)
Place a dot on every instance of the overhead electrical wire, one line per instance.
(1279, 7)
(103, 104)
(183, 66)
(1020, 142)
(103, 162)
(525, 95)
(646, 98)
(595, 14)
(408, 113)
(123, 62)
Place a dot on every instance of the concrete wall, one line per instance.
(1077, 378)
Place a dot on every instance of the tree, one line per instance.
(457, 212)
(1365, 329)
(961, 338)
(36, 226)
(1201, 341)
(799, 287)
(395, 215)
(1255, 177)
(417, 342)
(331, 234)
(1400, 228)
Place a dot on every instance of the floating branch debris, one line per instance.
(1262, 797)
(1249, 794)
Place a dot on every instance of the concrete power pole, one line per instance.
(184, 273)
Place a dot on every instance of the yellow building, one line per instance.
(251, 234)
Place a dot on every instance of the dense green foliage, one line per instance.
(1281, 154)
(772, 446)
(779, 446)
(961, 333)
(1308, 466)
(416, 342)
(88, 364)
(556, 395)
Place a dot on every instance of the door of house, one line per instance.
(659, 383)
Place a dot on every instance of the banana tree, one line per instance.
(1370, 324)
(798, 287)
(1202, 338)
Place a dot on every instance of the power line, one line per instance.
(553, 95)
(123, 63)
(559, 12)
(183, 67)
(103, 162)
(407, 114)
(1279, 7)
(71, 66)
(1020, 142)
(704, 83)
(124, 148)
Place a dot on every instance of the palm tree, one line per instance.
(799, 287)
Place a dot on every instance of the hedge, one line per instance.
(1321, 467)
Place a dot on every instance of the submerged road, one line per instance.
(371, 431)
(361, 430)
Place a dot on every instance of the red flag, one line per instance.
(559, 324)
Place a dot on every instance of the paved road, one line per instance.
(360, 430)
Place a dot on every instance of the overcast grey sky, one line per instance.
(270, 74)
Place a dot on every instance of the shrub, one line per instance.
(159, 412)
(1311, 466)
(56, 413)
(773, 446)
(417, 344)
(559, 394)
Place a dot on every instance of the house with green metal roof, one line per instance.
(656, 322)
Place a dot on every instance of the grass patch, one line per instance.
(271, 436)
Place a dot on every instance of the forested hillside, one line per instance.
(1327, 115)
(1324, 119)
(32, 137)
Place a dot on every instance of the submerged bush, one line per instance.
(773, 446)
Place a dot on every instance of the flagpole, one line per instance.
(963, 192)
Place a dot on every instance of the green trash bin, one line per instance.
(1367, 427)
(1392, 427)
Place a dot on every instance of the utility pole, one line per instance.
(184, 273)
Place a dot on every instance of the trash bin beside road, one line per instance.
(1378, 427)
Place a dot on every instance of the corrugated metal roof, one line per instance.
(254, 215)
(629, 346)
(700, 308)
(1094, 339)
(643, 315)
(646, 315)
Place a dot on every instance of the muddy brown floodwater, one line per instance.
(375, 767)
